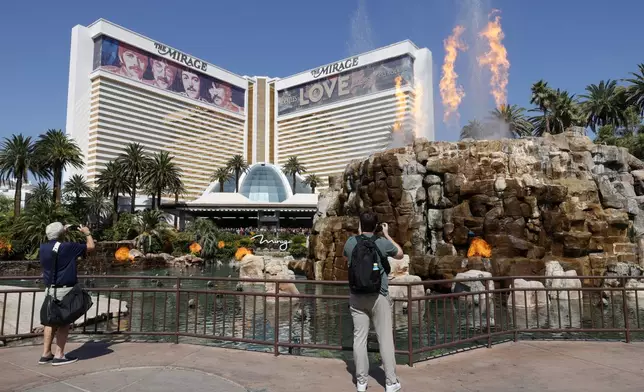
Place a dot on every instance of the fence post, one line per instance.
(276, 323)
(514, 313)
(627, 331)
(487, 313)
(177, 294)
(410, 343)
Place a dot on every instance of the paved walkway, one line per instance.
(524, 366)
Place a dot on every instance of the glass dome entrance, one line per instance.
(264, 183)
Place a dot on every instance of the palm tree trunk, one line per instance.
(115, 205)
(18, 197)
(221, 187)
(545, 117)
(176, 201)
(294, 183)
(58, 174)
(236, 181)
(312, 189)
(133, 196)
(159, 200)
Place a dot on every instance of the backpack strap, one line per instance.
(55, 250)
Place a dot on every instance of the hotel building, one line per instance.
(124, 87)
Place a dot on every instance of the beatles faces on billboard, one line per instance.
(133, 63)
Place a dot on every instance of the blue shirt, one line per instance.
(68, 252)
(387, 248)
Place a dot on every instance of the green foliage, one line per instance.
(132, 163)
(298, 251)
(237, 165)
(473, 130)
(17, 158)
(635, 89)
(293, 167)
(153, 231)
(313, 181)
(611, 136)
(29, 228)
(54, 152)
(124, 229)
(6, 204)
(515, 118)
(221, 175)
(161, 174)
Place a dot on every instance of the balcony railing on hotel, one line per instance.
(253, 314)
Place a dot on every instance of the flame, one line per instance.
(400, 110)
(221, 244)
(496, 59)
(479, 247)
(451, 93)
(241, 252)
(122, 254)
(195, 248)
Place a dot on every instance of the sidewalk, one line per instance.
(525, 366)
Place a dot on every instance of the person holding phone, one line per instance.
(60, 275)
(369, 300)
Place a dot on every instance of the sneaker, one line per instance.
(394, 387)
(46, 360)
(362, 387)
(65, 361)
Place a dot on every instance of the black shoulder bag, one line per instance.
(58, 312)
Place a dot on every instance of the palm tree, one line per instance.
(221, 175)
(56, 151)
(515, 118)
(635, 91)
(237, 165)
(177, 189)
(564, 112)
(151, 226)
(602, 105)
(542, 96)
(313, 181)
(133, 161)
(76, 186)
(97, 208)
(473, 130)
(41, 194)
(16, 160)
(112, 182)
(293, 167)
(160, 175)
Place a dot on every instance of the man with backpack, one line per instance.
(369, 301)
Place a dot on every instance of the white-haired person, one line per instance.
(60, 273)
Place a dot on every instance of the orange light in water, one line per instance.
(451, 93)
(122, 254)
(241, 252)
(496, 59)
(480, 248)
(195, 248)
(400, 106)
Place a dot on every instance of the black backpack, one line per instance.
(365, 269)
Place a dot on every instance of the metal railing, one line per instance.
(269, 315)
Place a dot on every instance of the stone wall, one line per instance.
(531, 199)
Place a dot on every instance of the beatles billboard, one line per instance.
(352, 83)
(182, 78)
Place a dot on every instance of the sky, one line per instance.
(568, 43)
